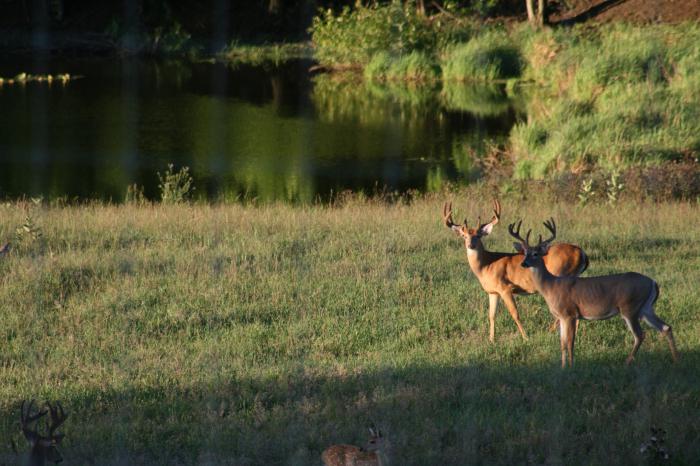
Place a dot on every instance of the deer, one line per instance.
(43, 447)
(500, 274)
(350, 455)
(631, 295)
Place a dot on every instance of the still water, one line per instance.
(265, 131)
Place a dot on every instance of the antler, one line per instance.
(552, 227)
(496, 215)
(447, 216)
(514, 231)
(26, 418)
(58, 417)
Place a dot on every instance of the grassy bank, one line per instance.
(225, 334)
(607, 98)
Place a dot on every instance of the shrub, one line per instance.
(354, 36)
(486, 57)
(175, 187)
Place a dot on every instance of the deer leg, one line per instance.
(568, 337)
(638, 333)
(652, 319)
(493, 304)
(510, 304)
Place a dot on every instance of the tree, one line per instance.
(537, 18)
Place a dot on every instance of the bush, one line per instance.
(175, 187)
(415, 66)
(354, 36)
(486, 57)
(616, 98)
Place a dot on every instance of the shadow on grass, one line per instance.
(591, 12)
(598, 413)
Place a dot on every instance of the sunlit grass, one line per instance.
(226, 334)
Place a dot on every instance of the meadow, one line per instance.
(260, 334)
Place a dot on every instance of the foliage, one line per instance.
(614, 98)
(175, 187)
(486, 57)
(237, 52)
(134, 195)
(223, 334)
(352, 37)
(414, 66)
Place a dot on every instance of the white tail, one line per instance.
(630, 294)
(350, 455)
(500, 274)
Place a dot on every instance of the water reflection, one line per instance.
(246, 131)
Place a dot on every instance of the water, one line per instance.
(269, 132)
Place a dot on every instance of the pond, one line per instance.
(271, 132)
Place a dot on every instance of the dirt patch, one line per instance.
(632, 11)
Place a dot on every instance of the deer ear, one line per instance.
(518, 247)
(545, 249)
(486, 229)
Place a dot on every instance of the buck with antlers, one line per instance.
(632, 295)
(500, 274)
(43, 447)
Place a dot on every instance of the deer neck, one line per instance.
(477, 257)
(541, 277)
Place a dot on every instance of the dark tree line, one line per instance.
(262, 20)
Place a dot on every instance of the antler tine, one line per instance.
(552, 227)
(496, 215)
(26, 417)
(447, 215)
(514, 230)
(58, 417)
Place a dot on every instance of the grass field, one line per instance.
(230, 334)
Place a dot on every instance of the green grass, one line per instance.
(413, 67)
(617, 97)
(488, 56)
(258, 54)
(226, 334)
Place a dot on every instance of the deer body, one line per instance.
(632, 295)
(500, 273)
(350, 455)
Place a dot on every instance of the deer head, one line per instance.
(43, 447)
(533, 254)
(376, 440)
(472, 236)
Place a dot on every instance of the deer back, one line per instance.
(347, 455)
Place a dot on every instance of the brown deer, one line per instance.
(632, 295)
(43, 447)
(350, 455)
(500, 274)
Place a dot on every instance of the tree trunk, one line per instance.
(274, 6)
(537, 18)
(541, 17)
(530, 11)
(420, 7)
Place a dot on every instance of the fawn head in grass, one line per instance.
(347, 455)
(43, 447)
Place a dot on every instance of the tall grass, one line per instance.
(617, 97)
(225, 334)
(415, 66)
(486, 57)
